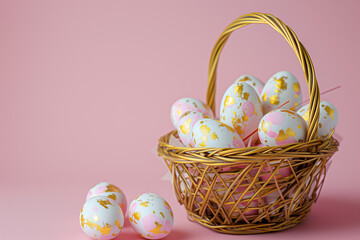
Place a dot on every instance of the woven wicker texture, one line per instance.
(256, 189)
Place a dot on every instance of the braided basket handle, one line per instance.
(298, 48)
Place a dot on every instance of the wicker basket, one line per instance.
(241, 190)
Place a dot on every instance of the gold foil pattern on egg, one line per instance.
(112, 188)
(239, 91)
(296, 87)
(226, 126)
(264, 97)
(274, 100)
(112, 196)
(330, 112)
(145, 204)
(283, 136)
(117, 223)
(238, 122)
(214, 136)
(105, 229)
(104, 203)
(137, 216)
(157, 229)
(82, 220)
(205, 133)
(280, 84)
(244, 79)
(229, 101)
(265, 125)
(205, 130)
(185, 128)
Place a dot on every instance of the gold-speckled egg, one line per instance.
(281, 87)
(282, 126)
(241, 109)
(328, 118)
(212, 133)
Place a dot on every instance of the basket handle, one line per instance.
(298, 48)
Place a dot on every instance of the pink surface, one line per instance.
(86, 89)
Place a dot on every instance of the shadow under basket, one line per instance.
(255, 189)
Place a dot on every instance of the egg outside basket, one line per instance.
(240, 190)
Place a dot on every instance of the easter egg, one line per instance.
(328, 118)
(188, 104)
(151, 216)
(280, 127)
(254, 82)
(212, 133)
(110, 191)
(241, 109)
(185, 126)
(280, 88)
(101, 218)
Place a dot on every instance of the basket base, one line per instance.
(247, 229)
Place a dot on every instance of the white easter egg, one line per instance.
(186, 124)
(188, 104)
(212, 133)
(241, 109)
(254, 82)
(110, 191)
(101, 218)
(280, 88)
(151, 216)
(328, 118)
(280, 127)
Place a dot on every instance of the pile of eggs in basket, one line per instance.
(251, 114)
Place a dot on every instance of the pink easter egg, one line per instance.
(110, 191)
(188, 104)
(281, 127)
(186, 124)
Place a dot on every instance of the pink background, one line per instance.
(86, 89)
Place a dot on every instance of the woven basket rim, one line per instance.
(226, 156)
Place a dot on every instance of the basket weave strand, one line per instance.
(242, 190)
